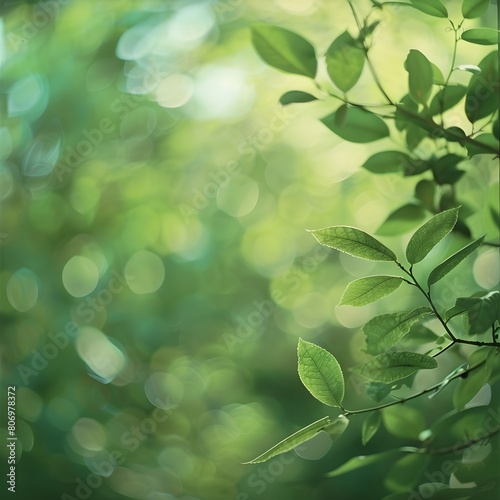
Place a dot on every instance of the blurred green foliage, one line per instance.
(156, 272)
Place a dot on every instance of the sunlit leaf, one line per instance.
(481, 36)
(296, 96)
(392, 366)
(453, 261)
(344, 61)
(336, 428)
(320, 373)
(284, 50)
(402, 220)
(370, 426)
(474, 8)
(430, 234)
(420, 76)
(354, 242)
(431, 7)
(366, 290)
(386, 330)
(359, 125)
(292, 441)
(470, 68)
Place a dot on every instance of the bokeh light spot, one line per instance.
(80, 276)
(144, 272)
(22, 290)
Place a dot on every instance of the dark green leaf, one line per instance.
(393, 366)
(420, 76)
(437, 75)
(292, 441)
(446, 98)
(430, 234)
(453, 261)
(354, 242)
(483, 90)
(455, 134)
(402, 220)
(481, 36)
(415, 135)
(474, 8)
(387, 162)
(285, 50)
(359, 126)
(377, 391)
(489, 140)
(416, 166)
(403, 421)
(425, 191)
(386, 330)
(366, 290)
(496, 128)
(370, 426)
(345, 59)
(405, 472)
(445, 169)
(296, 96)
(431, 7)
(320, 373)
(400, 118)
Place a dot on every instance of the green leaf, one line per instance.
(425, 191)
(345, 59)
(420, 76)
(386, 330)
(377, 391)
(296, 96)
(354, 242)
(474, 8)
(488, 140)
(496, 128)
(453, 261)
(481, 311)
(405, 472)
(431, 7)
(482, 96)
(401, 119)
(366, 290)
(370, 426)
(437, 75)
(292, 441)
(430, 234)
(402, 220)
(392, 366)
(387, 162)
(336, 428)
(468, 387)
(481, 36)
(362, 461)
(359, 125)
(446, 98)
(445, 169)
(320, 373)
(448, 379)
(403, 421)
(284, 50)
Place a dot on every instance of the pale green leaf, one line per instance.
(354, 242)
(370, 426)
(345, 59)
(284, 50)
(386, 330)
(470, 68)
(292, 441)
(320, 373)
(474, 8)
(403, 421)
(392, 366)
(366, 290)
(430, 234)
(336, 428)
(453, 261)
(405, 472)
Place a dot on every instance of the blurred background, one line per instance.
(156, 270)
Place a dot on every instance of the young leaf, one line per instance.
(420, 76)
(284, 50)
(453, 261)
(363, 461)
(481, 36)
(474, 8)
(430, 234)
(296, 96)
(320, 373)
(403, 421)
(354, 242)
(446, 98)
(402, 220)
(481, 311)
(292, 441)
(359, 125)
(336, 428)
(387, 162)
(366, 290)
(386, 330)
(468, 387)
(481, 99)
(370, 426)
(431, 7)
(344, 61)
(393, 366)
(470, 68)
